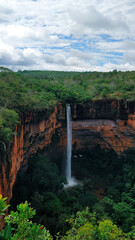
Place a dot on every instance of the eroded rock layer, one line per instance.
(35, 132)
(110, 124)
(114, 135)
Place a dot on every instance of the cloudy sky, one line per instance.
(68, 35)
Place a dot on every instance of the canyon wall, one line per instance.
(35, 132)
(103, 109)
(110, 135)
(110, 124)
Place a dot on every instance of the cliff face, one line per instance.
(109, 134)
(35, 132)
(103, 109)
(110, 124)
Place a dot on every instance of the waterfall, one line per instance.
(69, 144)
(71, 180)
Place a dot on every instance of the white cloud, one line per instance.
(96, 21)
(67, 35)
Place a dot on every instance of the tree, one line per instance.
(19, 226)
(85, 226)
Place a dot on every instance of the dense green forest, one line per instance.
(41, 184)
(75, 213)
(23, 91)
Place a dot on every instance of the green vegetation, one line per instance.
(112, 217)
(8, 121)
(83, 225)
(19, 226)
(3, 205)
(42, 185)
(79, 87)
(37, 90)
(117, 175)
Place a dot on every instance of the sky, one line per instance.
(67, 35)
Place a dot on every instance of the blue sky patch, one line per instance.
(120, 54)
(108, 38)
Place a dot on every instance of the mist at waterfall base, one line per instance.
(71, 180)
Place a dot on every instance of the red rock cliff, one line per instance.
(35, 132)
(114, 135)
(111, 124)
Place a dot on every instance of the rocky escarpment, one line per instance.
(110, 124)
(35, 132)
(112, 135)
(103, 109)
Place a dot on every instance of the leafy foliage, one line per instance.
(43, 187)
(85, 226)
(36, 90)
(8, 121)
(23, 227)
(3, 205)
(19, 226)
(53, 208)
(54, 204)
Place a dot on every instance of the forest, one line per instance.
(23, 91)
(41, 208)
(74, 213)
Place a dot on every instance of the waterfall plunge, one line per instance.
(71, 181)
(69, 143)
